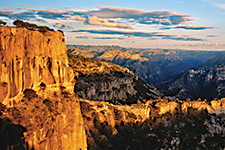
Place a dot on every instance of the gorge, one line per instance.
(54, 101)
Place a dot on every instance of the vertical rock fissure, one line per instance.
(49, 67)
(27, 61)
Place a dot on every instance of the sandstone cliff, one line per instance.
(36, 90)
(55, 123)
(159, 124)
(28, 58)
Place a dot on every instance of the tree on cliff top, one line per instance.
(31, 26)
(2, 23)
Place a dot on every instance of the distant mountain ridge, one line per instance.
(151, 65)
(205, 81)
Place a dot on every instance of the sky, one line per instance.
(163, 24)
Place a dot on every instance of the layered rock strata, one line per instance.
(35, 62)
(28, 58)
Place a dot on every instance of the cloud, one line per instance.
(17, 15)
(41, 20)
(164, 17)
(158, 35)
(194, 27)
(68, 7)
(91, 20)
(23, 15)
(5, 13)
(212, 36)
(188, 27)
(94, 20)
(103, 14)
(113, 17)
(59, 25)
(48, 14)
(80, 18)
(82, 37)
(102, 38)
(220, 5)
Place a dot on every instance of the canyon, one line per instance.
(153, 66)
(205, 81)
(54, 100)
(104, 81)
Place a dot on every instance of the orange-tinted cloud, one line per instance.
(94, 20)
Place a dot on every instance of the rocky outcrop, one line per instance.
(55, 123)
(214, 107)
(28, 58)
(199, 82)
(35, 81)
(116, 113)
(116, 86)
(115, 126)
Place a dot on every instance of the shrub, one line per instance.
(29, 93)
(2, 23)
(31, 26)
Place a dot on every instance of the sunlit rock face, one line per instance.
(115, 86)
(36, 82)
(28, 58)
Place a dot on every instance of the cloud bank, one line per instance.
(108, 17)
(158, 35)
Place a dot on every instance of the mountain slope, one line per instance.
(206, 81)
(151, 65)
(103, 81)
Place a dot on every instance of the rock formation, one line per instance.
(28, 58)
(104, 81)
(199, 82)
(55, 123)
(106, 123)
(116, 86)
(151, 65)
(35, 62)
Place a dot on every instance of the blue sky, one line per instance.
(173, 24)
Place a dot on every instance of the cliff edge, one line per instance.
(36, 92)
(29, 59)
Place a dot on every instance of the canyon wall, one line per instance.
(36, 62)
(28, 58)
(115, 86)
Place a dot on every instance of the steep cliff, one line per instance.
(104, 81)
(115, 86)
(55, 123)
(159, 124)
(36, 91)
(29, 58)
